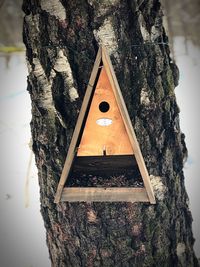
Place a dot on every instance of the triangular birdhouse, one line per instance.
(104, 143)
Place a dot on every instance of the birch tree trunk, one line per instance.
(62, 39)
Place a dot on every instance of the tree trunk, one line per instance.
(62, 39)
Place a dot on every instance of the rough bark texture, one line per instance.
(62, 39)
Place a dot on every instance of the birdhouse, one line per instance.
(104, 143)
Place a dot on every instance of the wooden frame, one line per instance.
(97, 194)
(90, 194)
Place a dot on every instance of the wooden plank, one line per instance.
(104, 164)
(113, 194)
(139, 158)
(71, 150)
(111, 139)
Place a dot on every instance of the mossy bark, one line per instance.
(62, 39)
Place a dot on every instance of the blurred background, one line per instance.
(22, 234)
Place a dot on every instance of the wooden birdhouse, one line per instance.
(104, 143)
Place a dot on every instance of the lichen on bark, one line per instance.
(62, 38)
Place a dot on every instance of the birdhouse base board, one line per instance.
(74, 194)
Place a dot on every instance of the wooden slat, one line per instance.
(113, 194)
(104, 164)
(139, 158)
(71, 150)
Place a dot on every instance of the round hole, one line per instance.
(104, 106)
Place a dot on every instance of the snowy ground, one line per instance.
(22, 236)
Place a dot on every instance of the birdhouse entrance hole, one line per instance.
(104, 106)
(104, 161)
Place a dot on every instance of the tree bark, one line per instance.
(62, 39)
